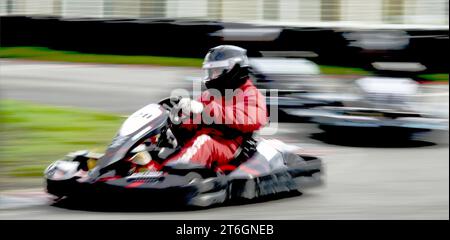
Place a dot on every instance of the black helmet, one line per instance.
(226, 67)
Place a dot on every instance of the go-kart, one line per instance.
(132, 167)
(384, 107)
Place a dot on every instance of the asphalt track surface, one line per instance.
(394, 182)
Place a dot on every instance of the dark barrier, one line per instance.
(192, 38)
(135, 37)
(138, 37)
(17, 31)
(329, 45)
(77, 35)
(427, 47)
(430, 48)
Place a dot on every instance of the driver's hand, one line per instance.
(188, 106)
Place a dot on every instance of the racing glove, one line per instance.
(188, 106)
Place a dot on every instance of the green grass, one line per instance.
(34, 135)
(45, 54)
(336, 70)
(439, 77)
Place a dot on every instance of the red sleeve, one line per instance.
(247, 113)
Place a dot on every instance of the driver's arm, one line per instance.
(247, 114)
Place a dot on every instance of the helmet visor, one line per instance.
(213, 70)
(213, 73)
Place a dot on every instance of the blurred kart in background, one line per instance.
(296, 80)
(380, 107)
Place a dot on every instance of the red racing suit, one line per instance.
(215, 144)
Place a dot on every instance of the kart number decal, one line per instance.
(138, 119)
